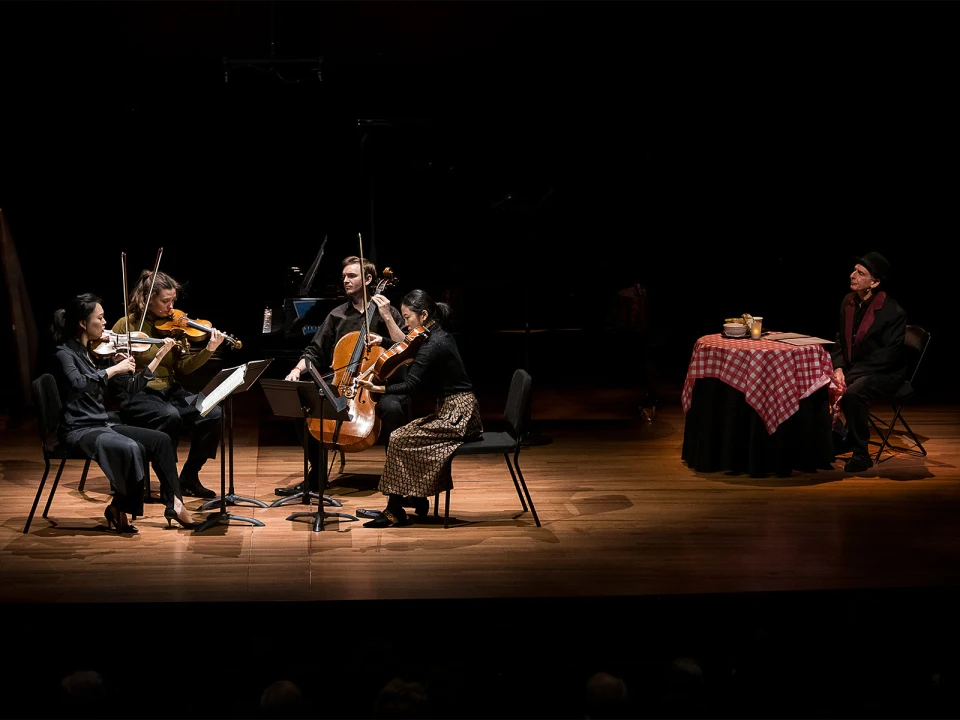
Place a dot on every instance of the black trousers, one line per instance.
(170, 412)
(122, 452)
(855, 404)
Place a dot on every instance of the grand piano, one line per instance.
(299, 315)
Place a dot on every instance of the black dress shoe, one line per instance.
(858, 463)
(313, 478)
(191, 487)
(287, 491)
(294, 489)
(371, 514)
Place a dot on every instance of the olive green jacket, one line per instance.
(178, 361)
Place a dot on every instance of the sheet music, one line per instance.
(784, 336)
(804, 340)
(232, 382)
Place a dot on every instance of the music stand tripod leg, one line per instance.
(231, 497)
(223, 517)
(320, 515)
(327, 500)
(305, 496)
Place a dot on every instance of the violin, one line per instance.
(178, 324)
(111, 343)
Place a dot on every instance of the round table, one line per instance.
(759, 407)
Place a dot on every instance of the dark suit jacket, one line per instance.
(878, 349)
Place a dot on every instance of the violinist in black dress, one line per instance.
(121, 451)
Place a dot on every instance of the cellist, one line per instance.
(346, 318)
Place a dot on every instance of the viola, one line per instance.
(179, 325)
(400, 354)
(112, 343)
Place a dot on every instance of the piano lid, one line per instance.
(311, 275)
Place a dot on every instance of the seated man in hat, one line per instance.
(868, 356)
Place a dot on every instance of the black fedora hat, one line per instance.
(876, 263)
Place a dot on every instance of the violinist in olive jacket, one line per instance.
(868, 356)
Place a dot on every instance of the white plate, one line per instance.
(735, 337)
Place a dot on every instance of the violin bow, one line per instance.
(153, 280)
(363, 284)
(123, 260)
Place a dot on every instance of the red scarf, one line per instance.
(864, 324)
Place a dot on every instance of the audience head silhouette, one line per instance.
(84, 694)
(282, 699)
(400, 698)
(606, 696)
(684, 692)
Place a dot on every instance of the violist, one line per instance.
(419, 453)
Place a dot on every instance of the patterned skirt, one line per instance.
(419, 453)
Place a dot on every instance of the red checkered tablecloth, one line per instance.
(773, 376)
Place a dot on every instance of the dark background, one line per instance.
(523, 160)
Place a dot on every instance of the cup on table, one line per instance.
(756, 328)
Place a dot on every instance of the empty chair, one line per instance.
(507, 443)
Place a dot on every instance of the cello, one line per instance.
(353, 357)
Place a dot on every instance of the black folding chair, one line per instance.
(915, 345)
(46, 401)
(516, 417)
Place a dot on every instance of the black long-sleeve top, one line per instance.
(438, 368)
(870, 337)
(83, 385)
(342, 320)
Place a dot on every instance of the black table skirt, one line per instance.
(721, 432)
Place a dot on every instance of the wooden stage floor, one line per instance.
(632, 542)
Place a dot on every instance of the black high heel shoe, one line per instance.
(171, 515)
(113, 519)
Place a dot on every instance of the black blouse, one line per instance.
(82, 386)
(437, 368)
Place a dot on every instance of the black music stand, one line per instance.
(252, 372)
(305, 399)
(327, 500)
